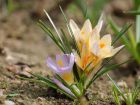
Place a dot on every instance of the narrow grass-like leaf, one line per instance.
(115, 95)
(122, 32)
(132, 38)
(137, 4)
(107, 69)
(10, 6)
(138, 27)
(53, 25)
(40, 82)
(132, 12)
(116, 30)
(43, 81)
(51, 35)
(117, 87)
(70, 32)
(76, 73)
(66, 42)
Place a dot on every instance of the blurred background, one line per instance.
(25, 46)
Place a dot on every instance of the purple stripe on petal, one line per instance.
(63, 87)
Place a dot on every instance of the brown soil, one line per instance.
(23, 45)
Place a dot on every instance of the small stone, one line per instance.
(8, 102)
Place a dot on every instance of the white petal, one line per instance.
(99, 25)
(87, 27)
(105, 52)
(95, 36)
(75, 29)
(95, 48)
(114, 51)
(106, 39)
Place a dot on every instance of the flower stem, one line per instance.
(83, 101)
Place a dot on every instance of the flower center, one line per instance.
(82, 32)
(60, 63)
(102, 45)
(68, 77)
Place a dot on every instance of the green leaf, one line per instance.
(125, 40)
(11, 6)
(70, 32)
(116, 87)
(51, 35)
(116, 95)
(66, 42)
(104, 70)
(137, 3)
(138, 27)
(107, 69)
(12, 95)
(132, 12)
(76, 73)
(138, 52)
(46, 82)
(82, 5)
(121, 33)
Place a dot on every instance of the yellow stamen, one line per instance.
(60, 63)
(68, 77)
(102, 45)
(82, 32)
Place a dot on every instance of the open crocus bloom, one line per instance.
(63, 66)
(102, 47)
(92, 49)
(83, 38)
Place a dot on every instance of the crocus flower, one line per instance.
(83, 38)
(92, 49)
(63, 66)
(59, 84)
(102, 47)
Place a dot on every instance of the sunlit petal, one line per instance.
(75, 29)
(87, 28)
(114, 51)
(106, 39)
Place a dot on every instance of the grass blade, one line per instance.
(122, 32)
(70, 32)
(138, 27)
(51, 35)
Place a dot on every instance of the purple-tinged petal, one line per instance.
(63, 87)
(95, 48)
(64, 58)
(52, 65)
(71, 63)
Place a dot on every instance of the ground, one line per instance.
(24, 46)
